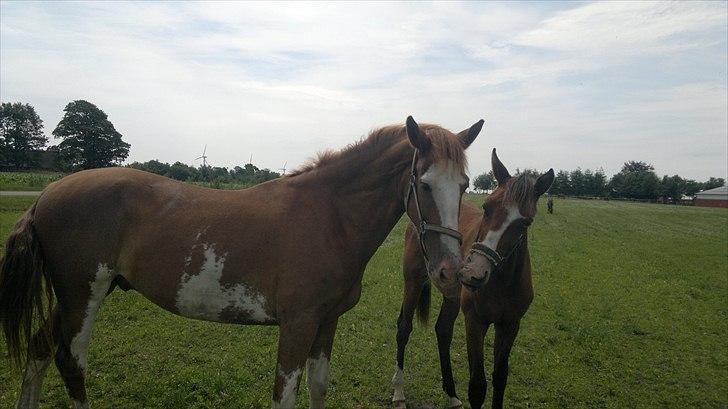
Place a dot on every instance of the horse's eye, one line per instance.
(426, 187)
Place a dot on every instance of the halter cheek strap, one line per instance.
(423, 227)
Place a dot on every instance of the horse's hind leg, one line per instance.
(74, 334)
(38, 361)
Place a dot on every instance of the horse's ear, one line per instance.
(415, 135)
(499, 170)
(543, 183)
(468, 136)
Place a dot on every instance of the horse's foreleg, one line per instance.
(317, 365)
(505, 335)
(412, 290)
(294, 343)
(444, 328)
(478, 385)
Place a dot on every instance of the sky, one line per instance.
(562, 85)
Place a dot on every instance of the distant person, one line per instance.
(550, 205)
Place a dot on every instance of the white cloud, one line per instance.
(285, 80)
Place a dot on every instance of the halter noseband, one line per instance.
(423, 227)
(493, 255)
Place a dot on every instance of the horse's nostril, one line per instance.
(442, 274)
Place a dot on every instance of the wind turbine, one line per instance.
(203, 157)
(284, 168)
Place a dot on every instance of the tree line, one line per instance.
(89, 140)
(636, 180)
(247, 175)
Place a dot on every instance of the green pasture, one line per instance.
(27, 181)
(36, 181)
(631, 311)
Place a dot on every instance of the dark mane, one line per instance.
(519, 190)
(445, 145)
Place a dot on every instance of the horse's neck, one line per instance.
(368, 199)
(518, 271)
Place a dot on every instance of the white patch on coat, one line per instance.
(99, 287)
(79, 404)
(445, 181)
(317, 378)
(288, 394)
(32, 383)
(202, 295)
(398, 382)
(454, 402)
(492, 238)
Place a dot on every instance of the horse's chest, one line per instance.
(500, 308)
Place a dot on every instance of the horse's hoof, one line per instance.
(455, 403)
(399, 404)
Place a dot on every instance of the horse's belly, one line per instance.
(204, 298)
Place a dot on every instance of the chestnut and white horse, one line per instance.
(290, 252)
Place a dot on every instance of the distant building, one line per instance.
(717, 197)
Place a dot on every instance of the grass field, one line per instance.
(630, 311)
(35, 181)
(27, 181)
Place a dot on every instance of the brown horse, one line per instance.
(498, 246)
(290, 252)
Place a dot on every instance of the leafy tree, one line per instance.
(633, 166)
(578, 182)
(486, 181)
(599, 183)
(89, 138)
(180, 171)
(530, 172)
(21, 133)
(712, 183)
(153, 166)
(636, 180)
(561, 185)
(692, 187)
(671, 187)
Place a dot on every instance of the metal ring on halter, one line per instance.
(423, 227)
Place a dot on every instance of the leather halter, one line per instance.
(423, 227)
(493, 255)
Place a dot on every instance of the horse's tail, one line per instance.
(25, 299)
(423, 304)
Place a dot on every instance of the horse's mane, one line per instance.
(444, 145)
(520, 190)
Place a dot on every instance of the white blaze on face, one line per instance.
(202, 295)
(445, 181)
(317, 378)
(99, 287)
(492, 238)
(290, 384)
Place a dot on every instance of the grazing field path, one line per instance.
(630, 312)
(18, 193)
